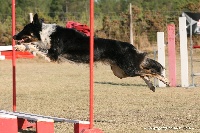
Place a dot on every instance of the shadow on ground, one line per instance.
(26, 131)
(121, 84)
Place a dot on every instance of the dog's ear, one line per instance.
(35, 19)
(42, 20)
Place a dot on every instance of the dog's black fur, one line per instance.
(125, 60)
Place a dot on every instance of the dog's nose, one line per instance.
(14, 37)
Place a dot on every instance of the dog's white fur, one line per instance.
(47, 30)
(32, 47)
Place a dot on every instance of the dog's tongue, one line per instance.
(20, 41)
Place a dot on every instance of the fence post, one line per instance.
(131, 25)
(31, 17)
(161, 54)
(183, 52)
(172, 54)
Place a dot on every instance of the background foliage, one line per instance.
(111, 16)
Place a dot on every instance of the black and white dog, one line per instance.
(63, 43)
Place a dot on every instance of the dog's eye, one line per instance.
(32, 34)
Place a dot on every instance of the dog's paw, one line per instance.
(32, 48)
(20, 47)
(153, 88)
(166, 81)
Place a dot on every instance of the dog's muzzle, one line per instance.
(15, 37)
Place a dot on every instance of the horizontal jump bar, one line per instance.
(35, 117)
(196, 74)
(196, 46)
(5, 48)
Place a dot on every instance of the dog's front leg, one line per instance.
(163, 79)
(20, 47)
(26, 47)
(148, 82)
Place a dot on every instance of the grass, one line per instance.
(121, 105)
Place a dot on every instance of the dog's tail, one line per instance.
(152, 65)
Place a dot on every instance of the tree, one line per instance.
(56, 6)
(4, 9)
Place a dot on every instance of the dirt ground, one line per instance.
(121, 105)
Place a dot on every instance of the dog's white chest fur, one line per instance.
(47, 30)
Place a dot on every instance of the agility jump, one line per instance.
(12, 121)
(183, 53)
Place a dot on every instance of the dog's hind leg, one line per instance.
(121, 74)
(148, 82)
(118, 71)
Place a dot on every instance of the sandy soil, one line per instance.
(121, 106)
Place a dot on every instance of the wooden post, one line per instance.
(131, 25)
(172, 54)
(161, 54)
(183, 52)
(31, 17)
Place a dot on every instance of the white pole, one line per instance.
(131, 25)
(161, 54)
(31, 17)
(183, 52)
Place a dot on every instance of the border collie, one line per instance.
(64, 43)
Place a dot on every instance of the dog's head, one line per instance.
(31, 31)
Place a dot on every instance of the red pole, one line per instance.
(196, 46)
(172, 54)
(91, 63)
(13, 56)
